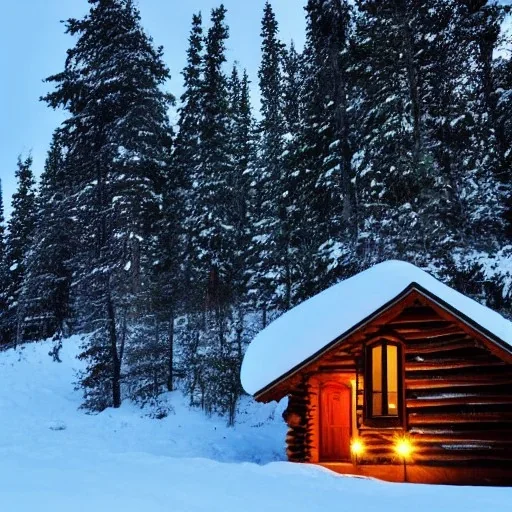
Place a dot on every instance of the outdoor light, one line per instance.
(357, 448)
(404, 448)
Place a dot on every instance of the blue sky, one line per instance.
(33, 46)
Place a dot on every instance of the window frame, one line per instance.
(371, 419)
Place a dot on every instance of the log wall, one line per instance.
(457, 395)
(295, 416)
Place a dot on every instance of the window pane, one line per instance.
(392, 404)
(377, 369)
(377, 404)
(392, 356)
(392, 368)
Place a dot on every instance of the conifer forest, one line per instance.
(169, 245)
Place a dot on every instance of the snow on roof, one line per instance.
(307, 328)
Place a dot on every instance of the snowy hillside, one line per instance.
(56, 458)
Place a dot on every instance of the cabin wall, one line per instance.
(295, 416)
(457, 397)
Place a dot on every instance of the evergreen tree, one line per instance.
(483, 163)
(21, 227)
(186, 163)
(3, 273)
(242, 158)
(210, 237)
(118, 143)
(153, 365)
(325, 172)
(270, 279)
(504, 130)
(44, 301)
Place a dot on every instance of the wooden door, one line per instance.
(335, 423)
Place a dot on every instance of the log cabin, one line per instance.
(394, 375)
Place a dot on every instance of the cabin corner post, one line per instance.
(313, 420)
(295, 416)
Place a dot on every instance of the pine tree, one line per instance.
(242, 158)
(21, 227)
(270, 273)
(292, 208)
(172, 290)
(44, 301)
(3, 273)
(187, 160)
(118, 143)
(407, 188)
(482, 162)
(504, 130)
(210, 233)
(325, 170)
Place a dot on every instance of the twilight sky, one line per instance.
(33, 46)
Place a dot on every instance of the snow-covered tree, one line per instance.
(268, 279)
(325, 234)
(3, 273)
(19, 239)
(44, 300)
(118, 142)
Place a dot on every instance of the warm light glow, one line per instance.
(357, 447)
(403, 447)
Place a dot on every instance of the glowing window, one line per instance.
(384, 380)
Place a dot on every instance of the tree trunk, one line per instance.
(170, 364)
(116, 360)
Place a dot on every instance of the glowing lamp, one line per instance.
(403, 447)
(357, 447)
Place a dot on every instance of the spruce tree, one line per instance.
(504, 131)
(269, 279)
(118, 143)
(483, 163)
(44, 301)
(325, 168)
(3, 273)
(172, 290)
(210, 236)
(21, 227)
(406, 185)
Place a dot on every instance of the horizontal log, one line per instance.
(416, 316)
(411, 334)
(442, 346)
(415, 419)
(345, 366)
(454, 457)
(452, 364)
(501, 440)
(417, 432)
(415, 403)
(451, 381)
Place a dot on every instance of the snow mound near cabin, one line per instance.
(39, 410)
(306, 329)
(55, 458)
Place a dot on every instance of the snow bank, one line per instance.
(56, 458)
(307, 328)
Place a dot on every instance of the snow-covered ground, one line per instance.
(55, 458)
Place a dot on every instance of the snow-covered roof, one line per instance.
(309, 327)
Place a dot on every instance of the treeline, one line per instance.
(388, 136)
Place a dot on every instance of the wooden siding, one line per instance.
(457, 393)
